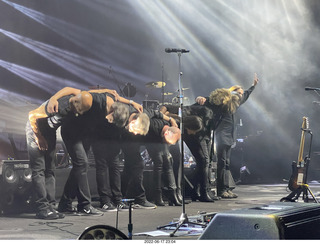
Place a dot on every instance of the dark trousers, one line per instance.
(224, 178)
(133, 172)
(162, 166)
(42, 164)
(77, 185)
(177, 167)
(200, 149)
(108, 176)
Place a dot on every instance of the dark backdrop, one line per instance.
(49, 44)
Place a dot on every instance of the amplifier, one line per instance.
(282, 220)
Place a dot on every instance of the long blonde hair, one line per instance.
(224, 98)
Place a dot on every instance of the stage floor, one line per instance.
(26, 227)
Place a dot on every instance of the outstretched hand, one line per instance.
(255, 79)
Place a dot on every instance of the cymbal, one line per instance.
(167, 93)
(183, 89)
(155, 84)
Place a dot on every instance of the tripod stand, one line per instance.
(183, 217)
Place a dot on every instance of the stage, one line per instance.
(26, 227)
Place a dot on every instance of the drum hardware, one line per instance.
(97, 87)
(155, 84)
(129, 90)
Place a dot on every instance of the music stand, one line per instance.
(183, 217)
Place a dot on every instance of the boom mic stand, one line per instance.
(183, 217)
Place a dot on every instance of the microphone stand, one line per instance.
(183, 217)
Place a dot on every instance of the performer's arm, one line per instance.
(118, 98)
(171, 120)
(247, 93)
(34, 115)
(53, 102)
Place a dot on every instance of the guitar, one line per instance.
(299, 168)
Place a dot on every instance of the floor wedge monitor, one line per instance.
(280, 220)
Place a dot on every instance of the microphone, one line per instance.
(176, 50)
(312, 89)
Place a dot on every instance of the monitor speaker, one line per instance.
(282, 220)
(15, 186)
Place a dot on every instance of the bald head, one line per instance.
(81, 103)
(171, 134)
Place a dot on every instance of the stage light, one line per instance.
(104, 46)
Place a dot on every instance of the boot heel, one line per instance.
(172, 198)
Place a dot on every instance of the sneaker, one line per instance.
(60, 215)
(89, 210)
(144, 205)
(233, 195)
(225, 195)
(47, 214)
(108, 207)
(68, 209)
(123, 207)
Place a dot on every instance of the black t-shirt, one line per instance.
(84, 125)
(54, 120)
(155, 130)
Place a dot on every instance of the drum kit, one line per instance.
(160, 84)
(171, 98)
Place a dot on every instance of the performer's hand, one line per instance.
(42, 143)
(201, 100)
(138, 107)
(115, 94)
(255, 79)
(173, 122)
(53, 105)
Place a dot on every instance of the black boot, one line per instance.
(172, 197)
(205, 196)
(179, 195)
(195, 195)
(158, 198)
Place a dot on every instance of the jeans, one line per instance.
(200, 149)
(42, 164)
(108, 176)
(133, 172)
(77, 185)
